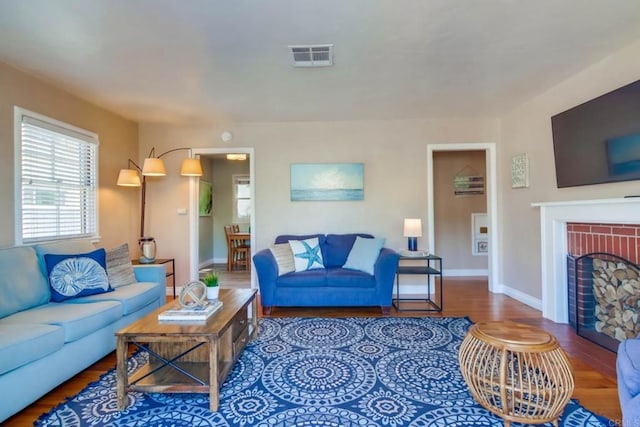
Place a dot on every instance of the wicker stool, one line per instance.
(516, 371)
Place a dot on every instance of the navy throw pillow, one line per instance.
(77, 275)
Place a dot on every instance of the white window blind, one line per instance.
(59, 181)
(242, 196)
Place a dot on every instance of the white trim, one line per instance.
(554, 217)
(492, 200)
(465, 273)
(527, 299)
(193, 212)
(205, 263)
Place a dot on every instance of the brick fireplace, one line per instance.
(622, 240)
(612, 220)
(603, 281)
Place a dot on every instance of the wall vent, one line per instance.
(312, 55)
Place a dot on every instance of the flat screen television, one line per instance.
(599, 141)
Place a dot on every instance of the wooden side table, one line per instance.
(170, 273)
(516, 371)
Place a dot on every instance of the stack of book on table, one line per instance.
(195, 314)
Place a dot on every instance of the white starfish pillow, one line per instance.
(306, 254)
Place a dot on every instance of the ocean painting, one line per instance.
(327, 181)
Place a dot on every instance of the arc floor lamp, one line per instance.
(153, 166)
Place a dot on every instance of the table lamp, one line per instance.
(412, 230)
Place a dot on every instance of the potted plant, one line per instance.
(211, 281)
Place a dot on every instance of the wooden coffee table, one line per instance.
(187, 358)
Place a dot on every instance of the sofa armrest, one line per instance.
(267, 269)
(385, 272)
(150, 273)
(628, 372)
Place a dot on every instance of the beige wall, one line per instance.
(453, 213)
(528, 130)
(394, 156)
(118, 207)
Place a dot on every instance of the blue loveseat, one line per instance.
(628, 370)
(332, 285)
(43, 343)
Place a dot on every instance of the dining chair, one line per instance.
(238, 250)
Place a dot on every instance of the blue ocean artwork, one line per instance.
(327, 181)
(624, 155)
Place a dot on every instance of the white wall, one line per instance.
(393, 152)
(528, 130)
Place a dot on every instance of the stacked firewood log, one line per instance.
(616, 287)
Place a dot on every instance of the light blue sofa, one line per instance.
(628, 370)
(42, 343)
(329, 286)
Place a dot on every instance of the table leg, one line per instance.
(121, 372)
(254, 318)
(214, 387)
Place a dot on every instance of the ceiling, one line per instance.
(206, 61)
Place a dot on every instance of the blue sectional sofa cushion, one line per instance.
(24, 343)
(77, 320)
(132, 298)
(21, 284)
(77, 275)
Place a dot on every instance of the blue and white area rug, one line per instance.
(318, 372)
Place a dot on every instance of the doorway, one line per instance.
(491, 194)
(214, 225)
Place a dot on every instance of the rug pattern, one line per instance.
(358, 372)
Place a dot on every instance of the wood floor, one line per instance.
(594, 367)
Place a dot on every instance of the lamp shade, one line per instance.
(153, 166)
(129, 178)
(191, 167)
(412, 227)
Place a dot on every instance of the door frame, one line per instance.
(492, 200)
(193, 211)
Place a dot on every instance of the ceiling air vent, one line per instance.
(312, 55)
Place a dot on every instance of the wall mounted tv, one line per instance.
(599, 141)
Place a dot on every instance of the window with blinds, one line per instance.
(242, 198)
(58, 179)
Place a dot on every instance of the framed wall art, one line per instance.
(520, 171)
(327, 181)
(206, 198)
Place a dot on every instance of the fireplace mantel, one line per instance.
(554, 217)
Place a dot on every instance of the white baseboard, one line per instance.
(517, 295)
(212, 261)
(205, 263)
(465, 273)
